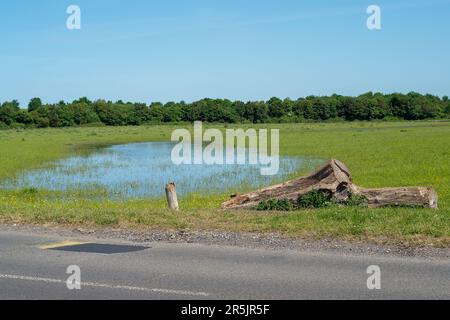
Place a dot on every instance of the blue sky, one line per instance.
(149, 50)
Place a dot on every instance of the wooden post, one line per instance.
(171, 195)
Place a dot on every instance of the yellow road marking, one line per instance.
(60, 244)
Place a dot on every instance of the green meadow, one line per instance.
(379, 154)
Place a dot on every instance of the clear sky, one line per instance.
(163, 50)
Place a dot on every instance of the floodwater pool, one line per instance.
(141, 170)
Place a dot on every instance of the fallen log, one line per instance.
(335, 179)
(413, 196)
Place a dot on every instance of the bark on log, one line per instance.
(335, 178)
(412, 196)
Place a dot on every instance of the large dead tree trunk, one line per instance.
(335, 178)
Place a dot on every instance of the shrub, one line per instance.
(356, 200)
(274, 204)
(30, 191)
(315, 199)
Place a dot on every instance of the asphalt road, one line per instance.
(193, 271)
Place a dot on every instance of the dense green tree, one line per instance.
(303, 109)
(400, 105)
(83, 100)
(243, 111)
(171, 112)
(24, 117)
(323, 110)
(259, 111)
(34, 104)
(81, 113)
(276, 107)
(8, 112)
(446, 106)
(142, 113)
(115, 114)
(368, 106)
(156, 112)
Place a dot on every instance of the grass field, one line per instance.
(379, 154)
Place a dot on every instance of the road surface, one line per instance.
(32, 266)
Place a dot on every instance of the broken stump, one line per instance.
(335, 178)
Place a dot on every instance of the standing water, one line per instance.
(140, 170)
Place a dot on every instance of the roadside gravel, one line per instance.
(247, 240)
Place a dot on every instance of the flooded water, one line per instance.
(141, 170)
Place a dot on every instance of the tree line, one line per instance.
(369, 106)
